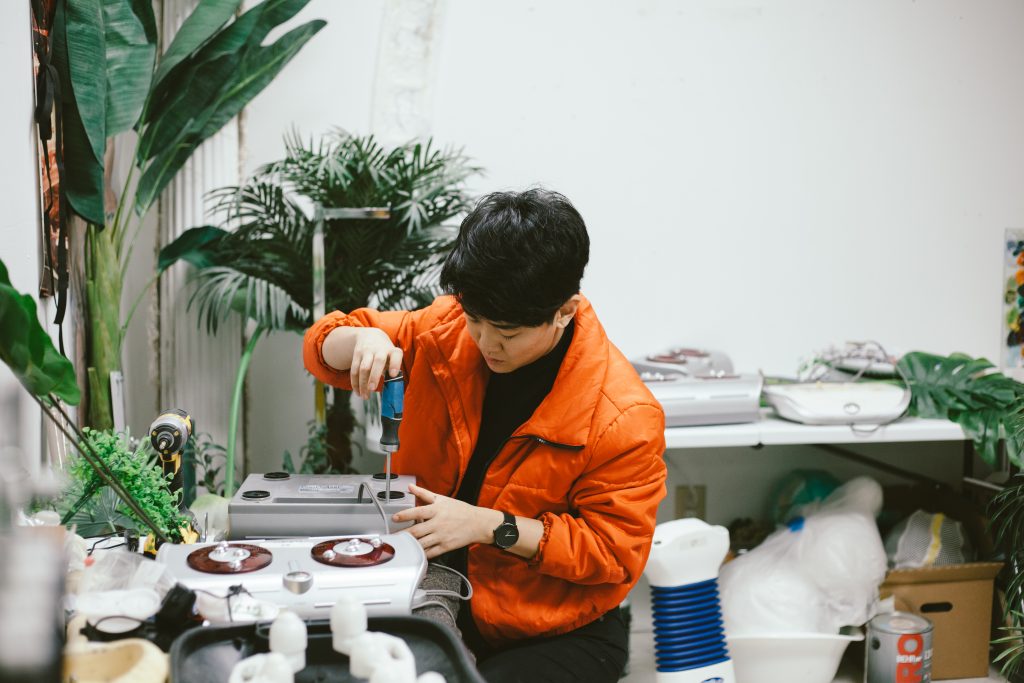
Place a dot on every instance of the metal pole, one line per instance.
(319, 297)
(321, 215)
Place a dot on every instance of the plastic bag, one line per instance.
(926, 539)
(120, 570)
(818, 574)
(862, 494)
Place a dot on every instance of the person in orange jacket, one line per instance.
(536, 447)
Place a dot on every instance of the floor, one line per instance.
(641, 648)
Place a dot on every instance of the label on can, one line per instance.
(899, 649)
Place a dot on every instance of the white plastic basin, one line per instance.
(785, 658)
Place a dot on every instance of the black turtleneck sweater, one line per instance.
(510, 400)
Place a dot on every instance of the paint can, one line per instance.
(899, 649)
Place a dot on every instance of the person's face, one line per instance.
(506, 348)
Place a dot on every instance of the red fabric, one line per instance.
(597, 503)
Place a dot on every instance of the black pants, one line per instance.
(595, 653)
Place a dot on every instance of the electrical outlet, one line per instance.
(691, 501)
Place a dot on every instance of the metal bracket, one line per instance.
(321, 215)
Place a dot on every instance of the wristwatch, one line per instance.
(507, 533)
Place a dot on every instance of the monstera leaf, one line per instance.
(27, 349)
(972, 393)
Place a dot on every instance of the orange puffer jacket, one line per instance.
(588, 464)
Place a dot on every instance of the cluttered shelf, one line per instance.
(771, 430)
(642, 665)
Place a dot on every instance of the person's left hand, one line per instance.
(442, 524)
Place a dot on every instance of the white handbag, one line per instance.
(839, 403)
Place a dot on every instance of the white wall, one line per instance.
(19, 219)
(759, 177)
(764, 178)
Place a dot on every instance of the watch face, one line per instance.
(506, 535)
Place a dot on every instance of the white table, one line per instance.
(774, 431)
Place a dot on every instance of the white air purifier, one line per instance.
(689, 637)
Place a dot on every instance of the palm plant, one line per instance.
(1008, 523)
(259, 262)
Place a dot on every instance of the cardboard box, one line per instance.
(957, 599)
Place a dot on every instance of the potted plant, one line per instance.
(258, 263)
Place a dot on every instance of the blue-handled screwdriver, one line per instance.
(391, 403)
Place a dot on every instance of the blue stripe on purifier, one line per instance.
(688, 631)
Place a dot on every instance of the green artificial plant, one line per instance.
(95, 509)
(50, 379)
(113, 81)
(971, 392)
(259, 262)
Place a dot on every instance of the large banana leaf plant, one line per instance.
(259, 263)
(113, 80)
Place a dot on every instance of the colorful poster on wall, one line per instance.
(1013, 298)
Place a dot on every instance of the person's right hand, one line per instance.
(373, 354)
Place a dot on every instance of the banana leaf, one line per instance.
(241, 77)
(129, 30)
(106, 49)
(82, 182)
(231, 40)
(201, 24)
(196, 82)
(260, 66)
(104, 52)
(27, 349)
(87, 62)
(175, 117)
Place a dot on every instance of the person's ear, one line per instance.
(567, 311)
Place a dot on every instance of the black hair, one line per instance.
(519, 256)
